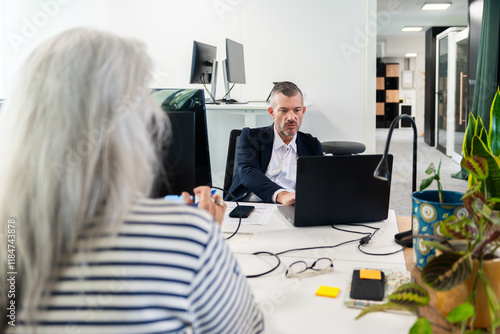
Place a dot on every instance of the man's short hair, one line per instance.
(286, 88)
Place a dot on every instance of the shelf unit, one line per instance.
(387, 93)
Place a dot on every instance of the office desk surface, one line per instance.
(290, 304)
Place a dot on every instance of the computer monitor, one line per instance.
(233, 66)
(204, 67)
(187, 159)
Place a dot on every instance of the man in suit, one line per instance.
(266, 160)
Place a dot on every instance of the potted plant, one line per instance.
(469, 247)
(429, 208)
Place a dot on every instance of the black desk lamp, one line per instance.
(382, 172)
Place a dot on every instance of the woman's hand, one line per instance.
(213, 204)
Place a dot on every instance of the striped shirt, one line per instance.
(167, 270)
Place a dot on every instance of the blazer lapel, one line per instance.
(268, 148)
(301, 147)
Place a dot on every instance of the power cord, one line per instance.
(208, 90)
(366, 239)
(361, 242)
(229, 91)
(237, 205)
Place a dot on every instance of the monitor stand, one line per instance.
(227, 97)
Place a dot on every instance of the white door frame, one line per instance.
(451, 33)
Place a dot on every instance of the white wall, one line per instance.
(26, 23)
(322, 46)
(326, 47)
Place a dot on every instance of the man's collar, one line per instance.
(278, 142)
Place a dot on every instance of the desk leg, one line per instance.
(250, 120)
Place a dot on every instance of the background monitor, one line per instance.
(235, 62)
(204, 67)
(204, 57)
(186, 160)
(233, 68)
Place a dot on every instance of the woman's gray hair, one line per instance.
(77, 148)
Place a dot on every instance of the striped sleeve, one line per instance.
(220, 297)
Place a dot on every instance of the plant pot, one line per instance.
(447, 300)
(427, 213)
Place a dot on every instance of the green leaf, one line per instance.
(469, 133)
(493, 303)
(476, 331)
(447, 270)
(383, 308)
(485, 211)
(493, 180)
(421, 326)
(494, 131)
(476, 166)
(481, 131)
(430, 169)
(455, 228)
(426, 182)
(461, 313)
(410, 295)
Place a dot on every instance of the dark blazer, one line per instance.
(255, 147)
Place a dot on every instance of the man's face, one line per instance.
(287, 113)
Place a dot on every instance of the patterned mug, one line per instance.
(427, 213)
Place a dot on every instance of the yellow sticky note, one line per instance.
(370, 274)
(327, 291)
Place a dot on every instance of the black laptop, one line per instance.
(338, 189)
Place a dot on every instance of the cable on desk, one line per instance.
(237, 205)
(269, 271)
(362, 242)
(292, 250)
(366, 239)
(316, 247)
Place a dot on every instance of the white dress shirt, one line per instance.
(282, 168)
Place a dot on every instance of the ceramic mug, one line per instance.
(427, 213)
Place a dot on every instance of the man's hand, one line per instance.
(286, 198)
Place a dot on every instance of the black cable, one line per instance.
(237, 205)
(362, 241)
(379, 254)
(208, 90)
(316, 247)
(365, 240)
(293, 250)
(229, 91)
(269, 271)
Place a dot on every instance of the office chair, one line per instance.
(342, 147)
(231, 158)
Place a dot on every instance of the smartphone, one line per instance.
(246, 210)
(368, 289)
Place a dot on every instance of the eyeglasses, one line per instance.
(300, 268)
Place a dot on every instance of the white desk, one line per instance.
(290, 304)
(249, 110)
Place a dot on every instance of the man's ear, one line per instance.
(270, 110)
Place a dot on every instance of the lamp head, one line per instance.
(382, 171)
